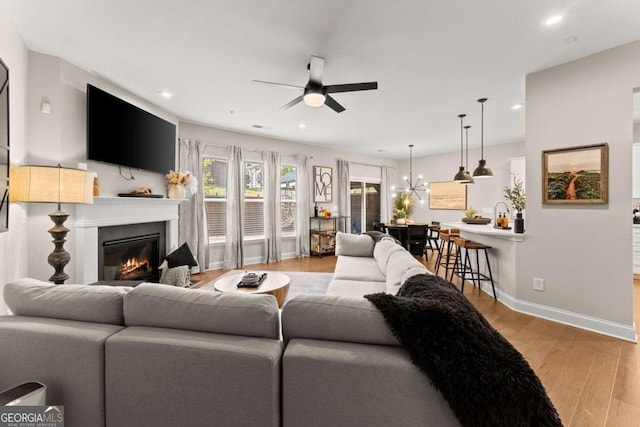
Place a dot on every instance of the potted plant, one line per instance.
(516, 195)
(402, 207)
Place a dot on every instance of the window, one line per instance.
(253, 200)
(214, 181)
(288, 199)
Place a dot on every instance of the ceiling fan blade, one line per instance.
(292, 103)
(333, 104)
(277, 84)
(351, 87)
(316, 69)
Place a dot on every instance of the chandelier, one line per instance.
(414, 187)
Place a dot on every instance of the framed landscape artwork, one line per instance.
(322, 184)
(576, 175)
(447, 195)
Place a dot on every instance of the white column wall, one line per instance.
(583, 252)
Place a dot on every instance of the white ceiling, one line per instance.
(431, 58)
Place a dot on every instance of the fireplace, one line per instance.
(131, 252)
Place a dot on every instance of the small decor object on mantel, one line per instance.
(517, 196)
(181, 185)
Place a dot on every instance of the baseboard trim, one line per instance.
(600, 326)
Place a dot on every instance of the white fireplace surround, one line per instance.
(108, 211)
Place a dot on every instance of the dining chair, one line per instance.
(416, 239)
(433, 235)
(380, 226)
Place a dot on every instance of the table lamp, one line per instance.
(53, 184)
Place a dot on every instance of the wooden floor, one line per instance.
(593, 380)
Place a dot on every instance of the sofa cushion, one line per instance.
(170, 377)
(201, 310)
(354, 244)
(383, 250)
(354, 288)
(66, 355)
(358, 268)
(399, 264)
(85, 303)
(334, 318)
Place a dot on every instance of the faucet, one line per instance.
(495, 210)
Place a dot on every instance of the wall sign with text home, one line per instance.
(322, 184)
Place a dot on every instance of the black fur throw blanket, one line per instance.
(484, 378)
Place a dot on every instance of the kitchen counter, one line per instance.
(503, 254)
(485, 229)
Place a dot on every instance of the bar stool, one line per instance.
(433, 235)
(445, 257)
(463, 268)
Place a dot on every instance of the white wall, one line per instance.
(584, 253)
(60, 137)
(320, 156)
(481, 195)
(13, 243)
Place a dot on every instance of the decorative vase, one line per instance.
(176, 191)
(518, 223)
(401, 221)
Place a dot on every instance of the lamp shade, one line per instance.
(51, 184)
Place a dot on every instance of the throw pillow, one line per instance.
(181, 256)
(177, 276)
(354, 245)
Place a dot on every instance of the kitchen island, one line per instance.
(502, 256)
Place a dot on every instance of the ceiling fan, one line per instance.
(315, 94)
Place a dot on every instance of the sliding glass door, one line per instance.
(365, 206)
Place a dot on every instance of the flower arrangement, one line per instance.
(185, 180)
(516, 195)
(403, 206)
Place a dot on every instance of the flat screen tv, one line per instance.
(125, 135)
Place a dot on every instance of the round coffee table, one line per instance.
(276, 284)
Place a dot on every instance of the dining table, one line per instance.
(399, 231)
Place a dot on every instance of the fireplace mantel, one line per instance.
(108, 211)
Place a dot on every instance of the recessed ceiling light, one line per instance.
(516, 107)
(302, 125)
(552, 20)
(166, 94)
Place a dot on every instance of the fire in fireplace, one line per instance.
(130, 258)
(131, 252)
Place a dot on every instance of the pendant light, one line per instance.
(462, 176)
(482, 171)
(466, 157)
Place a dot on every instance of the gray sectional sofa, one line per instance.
(365, 266)
(152, 355)
(162, 356)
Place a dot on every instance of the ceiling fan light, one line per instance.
(482, 171)
(313, 99)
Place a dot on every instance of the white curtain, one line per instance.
(272, 221)
(192, 224)
(233, 248)
(344, 196)
(388, 176)
(303, 200)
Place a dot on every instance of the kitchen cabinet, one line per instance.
(635, 171)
